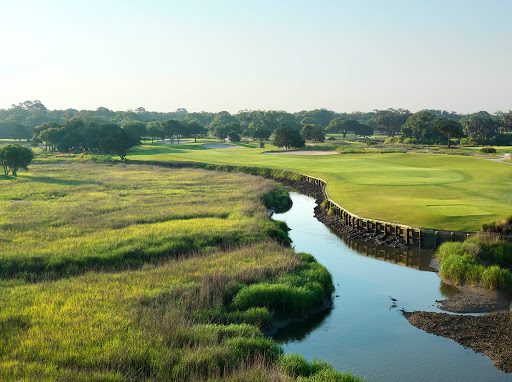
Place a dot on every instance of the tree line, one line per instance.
(83, 130)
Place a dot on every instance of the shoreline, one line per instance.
(336, 224)
(489, 334)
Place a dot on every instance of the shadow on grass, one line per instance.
(69, 182)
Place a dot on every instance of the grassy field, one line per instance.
(92, 216)
(140, 273)
(424, 190)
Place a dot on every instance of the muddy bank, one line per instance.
(335, 223)
(490, 335)
(477, 301)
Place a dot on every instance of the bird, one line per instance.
(393, 299)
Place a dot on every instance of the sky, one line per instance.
(356, 55)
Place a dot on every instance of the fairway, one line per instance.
(423, 190)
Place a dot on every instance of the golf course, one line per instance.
(451, 192)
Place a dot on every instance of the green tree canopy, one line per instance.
(288, 136)
(342, 125)
(314, 132)
(19, 132)
(262, 134)
(449, 127)
(135, 128)
(15, 157)
(480, 125)
(195, 128)
(118, 143)
(420, 128)
(389, 121)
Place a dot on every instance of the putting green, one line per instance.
(422, 190)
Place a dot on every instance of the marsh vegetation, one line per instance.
(142, 273)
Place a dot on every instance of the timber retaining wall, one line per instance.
(422, 238)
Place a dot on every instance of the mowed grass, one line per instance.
(61, 219)
(170, 275)
(422, 190)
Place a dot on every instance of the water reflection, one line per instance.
(412, 258)
(298, 331)
(365, 332)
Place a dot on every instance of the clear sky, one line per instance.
(238, 54)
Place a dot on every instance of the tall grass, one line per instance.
(481, 260)
(63, 219)
(186, 247)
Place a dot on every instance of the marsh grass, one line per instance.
(129, 273)
(153, 323)
(62, 219)
(482, 260)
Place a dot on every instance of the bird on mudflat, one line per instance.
(393, 299)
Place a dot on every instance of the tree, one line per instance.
(14, 157)
(314, 132)
(342, 125)
(506, 122)
(480, 125)
(390, 121)
(287, 136)
(118, 143)
(321, 117)
(19, 132)
(364, 130)
(449, 127)
(222, 119)
(196, 129)
(309, 121)
(155, 130)
(173, 129)
(262, 134)
(420, 128)
(135, 128)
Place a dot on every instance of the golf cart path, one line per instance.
(502, 159)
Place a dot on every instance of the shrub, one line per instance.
(332, 211)
(491, 150)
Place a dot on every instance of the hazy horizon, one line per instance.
(289, 55)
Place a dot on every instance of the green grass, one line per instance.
(424, 190)
(111, 217)
(128, 273)
(481, 260)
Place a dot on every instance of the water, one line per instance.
(364, 332)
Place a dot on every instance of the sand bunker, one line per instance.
(302, 152)
(221, 146)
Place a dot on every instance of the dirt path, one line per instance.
(502, 159)
(490, 335)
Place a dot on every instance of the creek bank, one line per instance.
(471, 299)
(490, 335)
(475, 300)
(334, 222)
